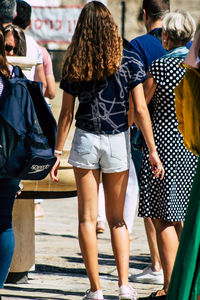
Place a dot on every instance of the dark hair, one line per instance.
(156, 9)
(18, 34)
(23, 15)
(7, 11)
(3, 61)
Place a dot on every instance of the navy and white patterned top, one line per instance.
(103, 105)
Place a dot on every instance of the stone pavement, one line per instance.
(59, 272)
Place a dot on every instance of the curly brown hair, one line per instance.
(95, 52)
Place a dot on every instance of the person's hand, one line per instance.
(54, 170)
(156, 165)
(21, 187)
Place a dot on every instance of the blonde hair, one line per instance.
(179, 25)
(95, 52)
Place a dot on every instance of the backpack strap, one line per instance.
(17, 72)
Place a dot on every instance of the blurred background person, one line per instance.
(165, 202)
(50, 91)
(149, 48)
(15, 42)
(185, 280)
(9, 187)
(23, 20)
(7, 11)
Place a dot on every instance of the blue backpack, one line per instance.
(27, 129)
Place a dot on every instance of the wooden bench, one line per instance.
(24, 219)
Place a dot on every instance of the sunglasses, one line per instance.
(9, 48)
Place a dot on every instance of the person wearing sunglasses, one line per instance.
(15, 42)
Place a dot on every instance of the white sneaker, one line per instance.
(97, 295)
(127, 293)
(148, 276)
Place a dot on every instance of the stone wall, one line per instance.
(132, 28)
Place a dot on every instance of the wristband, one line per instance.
(58, 152)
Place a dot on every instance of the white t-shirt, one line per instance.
(1, 79)
(33, 52)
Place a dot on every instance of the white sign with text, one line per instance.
(54, 24)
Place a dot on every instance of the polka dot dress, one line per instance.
(166, 199)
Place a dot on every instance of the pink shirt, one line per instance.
(47, 63)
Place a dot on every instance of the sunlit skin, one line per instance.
(11, 41)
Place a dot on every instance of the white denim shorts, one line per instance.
(108, 152)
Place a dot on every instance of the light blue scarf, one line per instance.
(177, 52)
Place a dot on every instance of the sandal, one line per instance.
(154, 297)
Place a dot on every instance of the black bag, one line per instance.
(27, 129)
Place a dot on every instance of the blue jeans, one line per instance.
(137, 142)
(8, 189)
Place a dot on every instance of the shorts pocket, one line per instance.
(118, 145)
(81, 142)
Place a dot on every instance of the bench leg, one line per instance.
(24, 229)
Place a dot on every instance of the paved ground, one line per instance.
(59, 271)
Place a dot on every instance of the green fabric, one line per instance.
(185, 280)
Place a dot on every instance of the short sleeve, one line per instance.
(136, 68)
(136, 47)
(39, 57)
(157, 70)
(71, 88)
(47, 63)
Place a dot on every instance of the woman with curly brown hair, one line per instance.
(101, 74)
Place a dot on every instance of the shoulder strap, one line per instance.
(17, 72)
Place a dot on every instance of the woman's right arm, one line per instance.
(144, 123)
(64, 124)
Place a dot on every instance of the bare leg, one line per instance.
(198, 297)
(115, 190)
(179, 227)
(152, 242)
(87, 187)
(167, 239)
